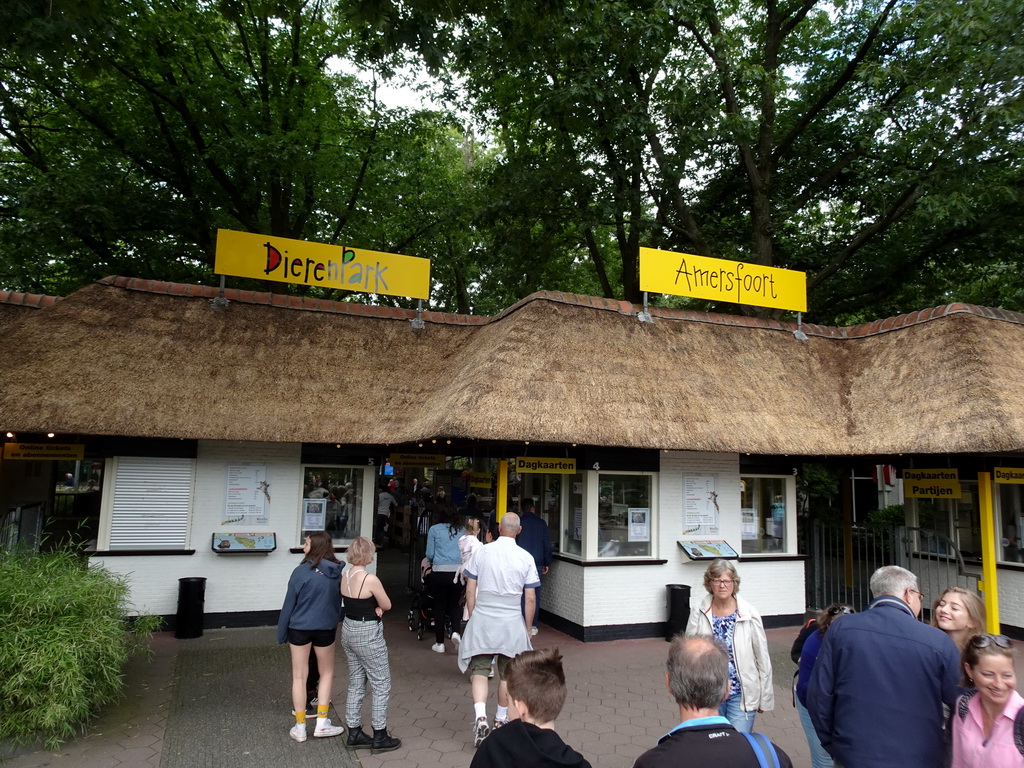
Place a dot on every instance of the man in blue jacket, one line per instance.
(535, 539)
(880, 681)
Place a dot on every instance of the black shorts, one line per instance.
(318, 637)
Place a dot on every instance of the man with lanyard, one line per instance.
(698, 679)
(880, 680)
(497, 577)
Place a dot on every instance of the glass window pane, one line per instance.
(337, 493)
(1011, 518)
(546, 492)
(624, 516)
(763, 510)
(573, 542)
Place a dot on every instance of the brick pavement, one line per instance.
(616, 708)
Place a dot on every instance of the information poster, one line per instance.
(314, 514)
(639, 528)
(248, 494)
(748, 524)
(700, 505)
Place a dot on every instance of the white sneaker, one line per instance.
(298, 732)
(533, 631)
(480, 731)
(437, 647)
(456, 638)
(326, 730)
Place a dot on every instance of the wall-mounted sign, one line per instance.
(44, 451)
(700, 277)
(245, 254)
(480, 480)
(417, 460)
(1013, 475)
(247, 495)
(708, 549)
(537, 464)
(931, 483)
(244, 542)
(700, 505)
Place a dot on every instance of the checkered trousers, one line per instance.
(363, 642)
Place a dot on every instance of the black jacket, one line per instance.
(523, 745)
(708, 742)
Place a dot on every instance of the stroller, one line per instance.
(421, 614)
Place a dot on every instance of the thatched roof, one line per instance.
(132, 357)
(15, 305)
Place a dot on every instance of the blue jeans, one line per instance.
(819, 757)
(731, 710)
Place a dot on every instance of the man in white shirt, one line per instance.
(498, 577)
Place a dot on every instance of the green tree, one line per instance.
(872, 143)
(166, 119)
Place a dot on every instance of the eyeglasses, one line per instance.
(984, 641)
(723, 582)
(917, 592)
(836, 610)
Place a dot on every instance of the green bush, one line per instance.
(894, 514)
(64, 639)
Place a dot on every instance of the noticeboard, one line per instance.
(708, 549)
(244, 543)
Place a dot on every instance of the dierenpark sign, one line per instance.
(700, 277)
(246, 254)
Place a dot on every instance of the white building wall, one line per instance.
(1011, 597)
(637, 594)
(236, 582)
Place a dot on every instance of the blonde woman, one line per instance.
(960, 614)
(732, 620)
(362, 637)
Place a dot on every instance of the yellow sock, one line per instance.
(300, 717)
(321, 711)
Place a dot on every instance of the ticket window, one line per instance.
(547, 494)
(1010, 522)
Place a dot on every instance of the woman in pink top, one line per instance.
(983, 725)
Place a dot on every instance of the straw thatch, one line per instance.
(127, 357)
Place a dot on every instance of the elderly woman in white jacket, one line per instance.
(734, 622)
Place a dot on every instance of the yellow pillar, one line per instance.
(989, 585)
(501, 503)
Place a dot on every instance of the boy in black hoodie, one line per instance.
(536, 688)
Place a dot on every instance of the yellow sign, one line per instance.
(417, 460)
(931, 483)
(244, 254)
(683, 274)
(44, 451)
(525, 464)
(1013, 475)
(480, 480)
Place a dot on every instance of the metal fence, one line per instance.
(842, 558)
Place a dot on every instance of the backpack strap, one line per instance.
(765, 750)
(965, 702)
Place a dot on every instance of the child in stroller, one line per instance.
(422, 614)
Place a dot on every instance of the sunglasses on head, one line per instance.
(984, 641)
(835, 611)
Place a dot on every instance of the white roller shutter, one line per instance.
(152, 499)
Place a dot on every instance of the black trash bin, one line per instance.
(191, 599)
(678, 601)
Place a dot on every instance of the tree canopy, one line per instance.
(874, 144)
